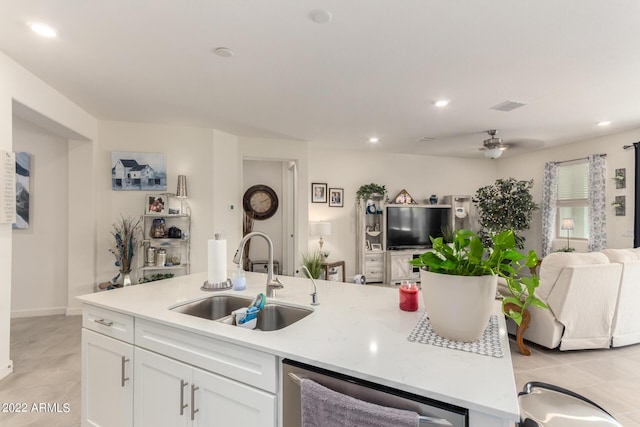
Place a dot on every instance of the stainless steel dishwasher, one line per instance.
(432, 413)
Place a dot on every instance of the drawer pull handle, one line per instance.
(183, 384)
(123, 378)
(104, 322)
(193, 402)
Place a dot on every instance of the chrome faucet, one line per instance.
(314, 295)
(273, 282)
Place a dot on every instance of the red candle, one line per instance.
(408, 297)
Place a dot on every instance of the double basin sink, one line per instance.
(272, 317)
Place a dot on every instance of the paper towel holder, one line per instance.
(221, 286)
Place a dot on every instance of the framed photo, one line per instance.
(318, 192)
(156, 204)
(376, 246)
(336, 197)
(174, 206)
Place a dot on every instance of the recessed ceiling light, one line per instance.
(441, 103)
(320, 16)
(224, 52)
(373, 140)
(44, 30)
(604, 123)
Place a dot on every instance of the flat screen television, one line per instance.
(409, 227)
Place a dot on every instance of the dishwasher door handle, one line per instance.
(422, 419)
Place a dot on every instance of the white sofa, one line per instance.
(581, 291)
(626, 324)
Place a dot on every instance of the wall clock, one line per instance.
(260, 202)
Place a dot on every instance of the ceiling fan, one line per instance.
(493, 147)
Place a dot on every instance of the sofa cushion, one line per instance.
(622, 255)
(553, 264)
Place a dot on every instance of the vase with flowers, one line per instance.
(126, 233)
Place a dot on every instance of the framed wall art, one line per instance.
(156, 204)
(138, 171)
(336, 197)
(318, 192)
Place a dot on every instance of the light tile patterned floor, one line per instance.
(609, 377)
(46, 356)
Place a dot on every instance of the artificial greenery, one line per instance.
(125, 233)
(365, 192)
(313, 261)
(505, 205)
(468, 256)
(448, 233)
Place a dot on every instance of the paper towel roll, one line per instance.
(217, 261)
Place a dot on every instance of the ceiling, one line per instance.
(375, 69)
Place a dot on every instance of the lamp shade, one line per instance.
(320, 228)
(493, 153)
(567, 224)
(181, 191)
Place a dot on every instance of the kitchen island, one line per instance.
(356, 330)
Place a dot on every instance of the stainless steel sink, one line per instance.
(275, 316)
(272, 317)
(215, 307)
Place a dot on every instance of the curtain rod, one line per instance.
(626, 147)
(579, 158)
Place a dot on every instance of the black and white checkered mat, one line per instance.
(488, 345)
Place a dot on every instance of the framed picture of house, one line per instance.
(131, 171)
(156, 204)
(318, 192)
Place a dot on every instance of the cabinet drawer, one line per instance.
(374, 276)
(378, 257)
(240, 363)
(107, 322)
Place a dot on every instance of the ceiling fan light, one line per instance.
(493, 153)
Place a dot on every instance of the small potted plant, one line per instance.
(313, 261)
(367, 191)
(459, 282)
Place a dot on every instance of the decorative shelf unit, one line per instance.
(177, 249)
(371, 240)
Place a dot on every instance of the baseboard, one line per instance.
(39, 312)
(6, 369)
(74, 311)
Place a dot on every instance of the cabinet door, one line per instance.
(107, 385)
(400, 267)
(224, 402)
(161, 391)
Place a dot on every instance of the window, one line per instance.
(573, 198)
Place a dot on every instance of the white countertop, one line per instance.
(356, 330)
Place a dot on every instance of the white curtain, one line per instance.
(549, 205)
(597, 206)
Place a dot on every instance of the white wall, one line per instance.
(531, 166)
(17, 84)
(189, 151)
(421, 176)
(39, 254)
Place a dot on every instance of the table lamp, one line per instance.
(320, 228)
(567, 224)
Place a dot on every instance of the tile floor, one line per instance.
(46, 356)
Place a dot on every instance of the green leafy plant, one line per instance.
(313, 261)
(448, 233)
(365, 192)
(505, 205)
(468, 256)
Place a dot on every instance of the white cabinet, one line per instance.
(398, 267)
(170, 376)
(107, 374)
(165, 250)
(370, 237)
(172, 393)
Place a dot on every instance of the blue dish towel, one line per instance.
(322, 407)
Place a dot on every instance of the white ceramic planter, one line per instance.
(459, 307)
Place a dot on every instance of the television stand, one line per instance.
(398, 267)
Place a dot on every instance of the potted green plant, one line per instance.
(367, 191)
(459, 282)
(505, 205)
(313, 261)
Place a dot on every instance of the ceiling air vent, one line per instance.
(425, 139)
(507, 106)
